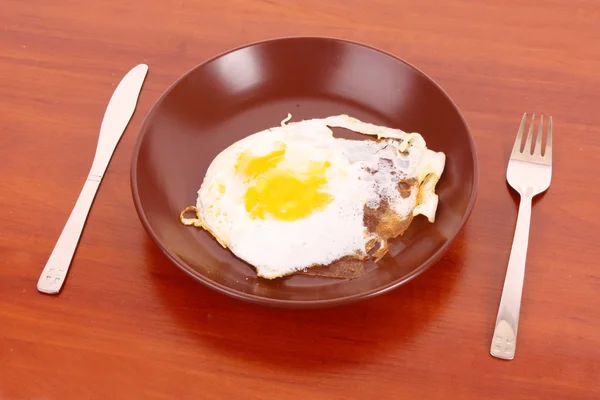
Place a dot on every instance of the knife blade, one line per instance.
(116, 118)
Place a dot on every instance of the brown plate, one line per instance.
(253, 88)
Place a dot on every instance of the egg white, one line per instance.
(278, 248)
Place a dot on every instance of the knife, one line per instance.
(118, 113)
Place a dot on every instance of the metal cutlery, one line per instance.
(529, 173)
(118, 113)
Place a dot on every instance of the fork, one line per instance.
(529, 173)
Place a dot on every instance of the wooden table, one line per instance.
(129, 325)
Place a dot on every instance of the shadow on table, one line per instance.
(306, 338)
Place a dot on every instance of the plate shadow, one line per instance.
(300, 339)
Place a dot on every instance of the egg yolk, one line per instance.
(283, 193)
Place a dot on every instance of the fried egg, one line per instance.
(294, 196)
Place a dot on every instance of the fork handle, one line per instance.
(504, 341)
(55, 271)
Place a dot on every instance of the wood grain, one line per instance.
(130, 325)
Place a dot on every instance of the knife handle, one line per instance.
(55, 271)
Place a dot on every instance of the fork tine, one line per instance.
(527, 148)
(548, 151)
(519, 138)
(537, 151)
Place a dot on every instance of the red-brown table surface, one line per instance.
(130, 325)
